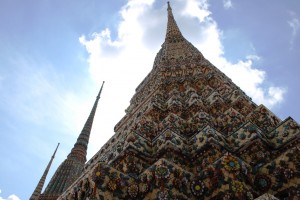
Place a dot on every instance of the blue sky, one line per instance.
(55, 54)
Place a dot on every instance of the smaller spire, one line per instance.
(37, 192)
(71, 168)
(80, 147)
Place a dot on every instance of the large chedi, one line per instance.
(191, 133)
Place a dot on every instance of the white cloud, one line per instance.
(10, 197)
(275, 95)
(13, 197)
(196, 8)
(243, 73)
(227, 4)
(294, 23)
(253, 57)
(123, 62)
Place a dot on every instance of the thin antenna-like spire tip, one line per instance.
(55, 150)
(169, 6)
(98, 96)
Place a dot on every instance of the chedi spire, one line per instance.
(175, 47)
(79, 150)
(71, 168)
(173, 33)
(37, 192)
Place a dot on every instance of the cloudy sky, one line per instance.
(54, 55)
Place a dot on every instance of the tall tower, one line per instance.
(191, 133)
(37, 192)
(71, 168)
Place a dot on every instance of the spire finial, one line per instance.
(55, 150)
(100, 91)
(37, 192)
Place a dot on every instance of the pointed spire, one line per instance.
(173, 33)
(80, 147)
(175, 48)
(71, 168)
(37, 192)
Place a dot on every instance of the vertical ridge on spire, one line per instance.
(173, 32)
(37, 192)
